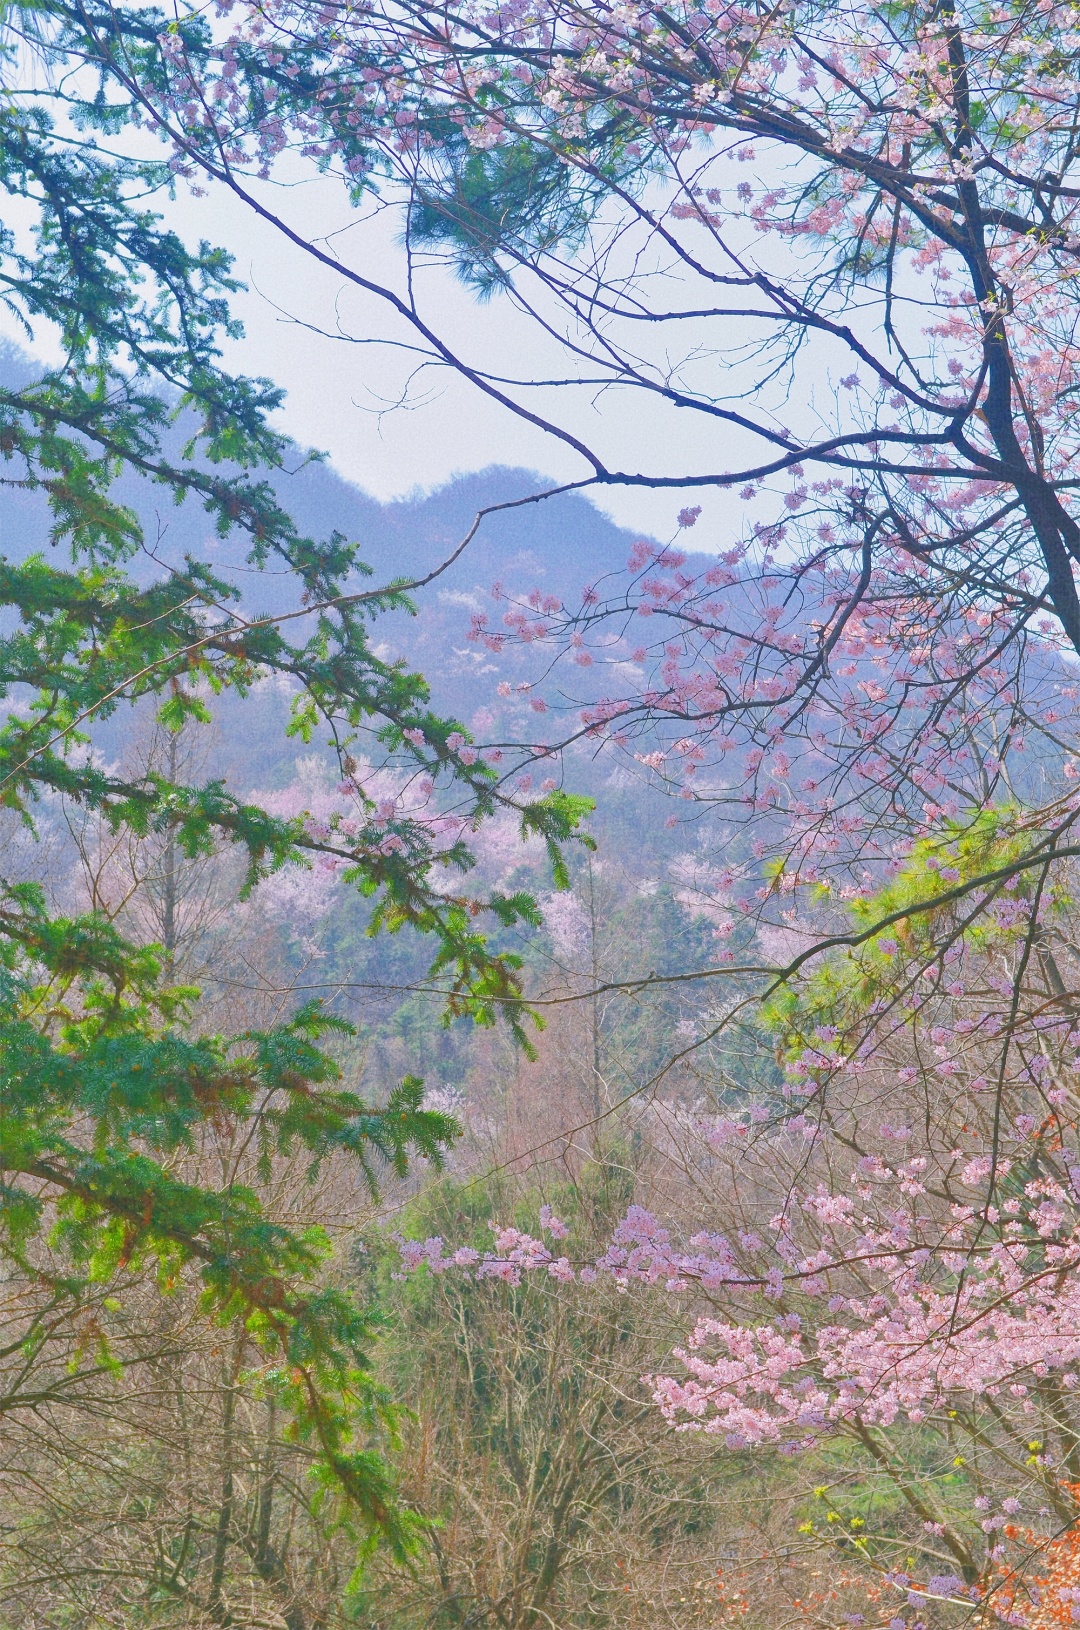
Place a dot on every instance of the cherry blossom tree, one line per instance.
(884, 1254)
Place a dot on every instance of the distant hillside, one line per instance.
(558, 546)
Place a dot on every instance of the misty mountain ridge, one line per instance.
(559, 545)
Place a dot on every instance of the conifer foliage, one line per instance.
(106, 1083)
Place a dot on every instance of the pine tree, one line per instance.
(105, 1084)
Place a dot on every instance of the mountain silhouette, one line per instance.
(559, 546)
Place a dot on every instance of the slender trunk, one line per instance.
(224, 1517)
(269, 1564)
(169, 868)
(922, 1510)
(597, 1105)
(223, 1528)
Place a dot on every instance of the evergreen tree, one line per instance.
(105, 1084)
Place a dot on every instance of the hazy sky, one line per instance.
(341, 394)
(344, 396)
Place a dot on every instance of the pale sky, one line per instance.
(341, 395)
